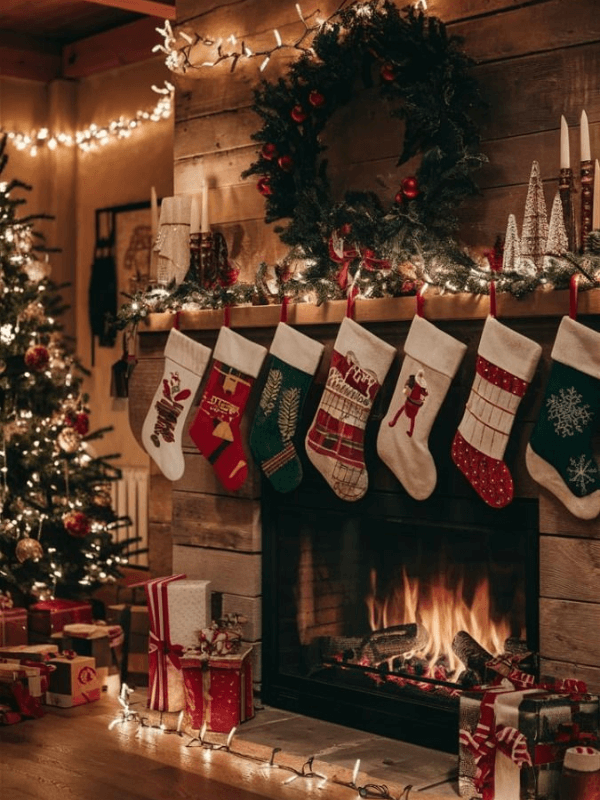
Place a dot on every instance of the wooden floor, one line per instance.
(70, 754)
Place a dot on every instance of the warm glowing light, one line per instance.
(441, 607)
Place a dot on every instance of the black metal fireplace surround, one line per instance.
(327, 563)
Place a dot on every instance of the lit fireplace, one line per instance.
(378, 613)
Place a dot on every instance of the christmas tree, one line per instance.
(56, 519)
(535, 222)
(558, 243)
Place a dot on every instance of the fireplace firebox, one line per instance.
(377, 613)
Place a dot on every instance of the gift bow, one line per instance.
(344, 256)
(172, 651)
(487, 740)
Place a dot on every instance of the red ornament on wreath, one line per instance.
(346, 229)
(399, 198)
(298, 114)
(76, 524)
(269, 151)
(387, 72)
(410, 187)
(316, 99)
(37, 357)
(286, 163)
(264, 186)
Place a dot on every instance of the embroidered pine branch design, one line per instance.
(270, 392)
(287, 419)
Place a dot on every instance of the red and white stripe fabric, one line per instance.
(165, 681)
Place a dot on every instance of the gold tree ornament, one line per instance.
(69, 440)
(28, 549)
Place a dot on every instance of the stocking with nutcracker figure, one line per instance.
(335, 442)
(506, 363)
(185, 363)
(216, 427)
(431, 360)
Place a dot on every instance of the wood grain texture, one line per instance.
(570, 568)
(208, 520)
(160, 547)
(234, 573)
(555, 519)
(569, 631)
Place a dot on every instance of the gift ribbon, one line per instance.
(160, 649)
(345, 256)
(489, 739)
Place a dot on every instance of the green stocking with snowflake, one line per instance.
(559, 455)
(293, 361)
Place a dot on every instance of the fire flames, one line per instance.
(442, 610)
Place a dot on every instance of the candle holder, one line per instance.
(566, 190)
(587, 199)
(202, 271)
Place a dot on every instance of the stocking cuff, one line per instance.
(238, 352)
(577, 346)
(371, 351)
(296, 349)
(509, 350)
(184, 351)
(431, 346)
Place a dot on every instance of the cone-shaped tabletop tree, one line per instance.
(56, 519)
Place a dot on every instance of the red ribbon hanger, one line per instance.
(350, 305)
(573, 295)
(421, 299)
(227, 317)
(283, 317)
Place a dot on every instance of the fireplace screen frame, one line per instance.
(419, 719)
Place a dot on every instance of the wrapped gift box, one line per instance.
(30, 652)
(21, 689)
(178, 609)
(13, 626)
(88, 640)
(218, 690)
(51, 616)
(74, 682)
(512, 743)
(135, 623)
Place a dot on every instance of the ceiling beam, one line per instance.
(151, 8)
(127, 44)
(23, 56)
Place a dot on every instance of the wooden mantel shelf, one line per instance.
(540, 303)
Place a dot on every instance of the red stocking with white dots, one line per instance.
(506, 362)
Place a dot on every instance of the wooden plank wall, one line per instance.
(535, 61)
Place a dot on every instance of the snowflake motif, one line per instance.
(582, 471)
(567, 412)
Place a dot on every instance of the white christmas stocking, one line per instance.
(506, 362)
(335, 442)
(185, 363)
(431, 360)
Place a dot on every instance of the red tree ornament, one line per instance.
(286, 163)
(264, 186)
(298, 114)
(76, 524)
(269, 151)
(399, 198)
(316, 99)
(410, 187)
(346, 229)
(37, 357)
(82, 423)
(387, 72)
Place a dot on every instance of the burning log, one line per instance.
(373, 649)
(471, 653)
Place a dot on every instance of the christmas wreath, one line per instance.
(426, 78)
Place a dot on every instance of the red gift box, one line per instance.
(50, 616)
(13, 626)
(21, 688)
(218, 690)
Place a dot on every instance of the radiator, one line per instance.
(130, 499)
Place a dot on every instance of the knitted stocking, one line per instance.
(506, 362)
(559, 455)
(185, 363)
(335, 442)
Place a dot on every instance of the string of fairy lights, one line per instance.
(94, 135)
(181, 57)
(367, 790)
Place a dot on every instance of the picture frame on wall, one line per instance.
(133, 246)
